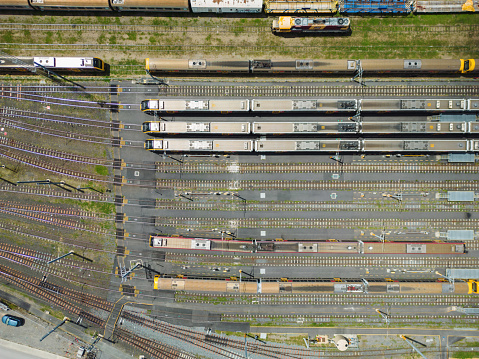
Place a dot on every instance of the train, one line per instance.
(285, 286)
(57, 64)
(306, 7)
(313, 145)
(309, 128)
(304, 105)
(305, 25)
(255, 246)
(374, 67)
(173, 127)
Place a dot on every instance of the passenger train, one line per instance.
(284, 286)
(254, 246)
(374, 67)
(304, 105)
(311, 128)
(59, 64)
(313, 145)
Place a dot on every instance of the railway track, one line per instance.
(209, 48)
(218, 344)
(327, 299)
(57, 295)
(223, 28)
(36, 95)
(41, 130)
(47, 152)
(52, 238)
(76, 276)
(234, 223)
(254, 185)
(48, 165)
(316, 90)
(361, 318)
(66, 298)
(37, 261)
(304, 206)
(50, 192)
(151, 347)
(57, 211)
(311, 167)
(51, 215)
(333, 261)
(36, 116)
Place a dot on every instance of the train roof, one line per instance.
(65, 62)
(244, 4)
(125, 4)
(181, 144)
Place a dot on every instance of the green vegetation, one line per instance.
(54, 313)
(101, 170)
(463, 354)
(422, 36)
(98, 207)
(132, 36)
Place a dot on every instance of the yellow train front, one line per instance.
(309, 25)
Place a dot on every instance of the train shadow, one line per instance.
(312, 34)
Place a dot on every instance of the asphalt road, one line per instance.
(10, 350)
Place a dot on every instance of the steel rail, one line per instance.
(49, 192)
(181, 48)
(329, 299)
(293, 185)
(333, 261)
(391, 223)
(213, 340)
(64, 156)
(220, 28)
(59, 211)
(51, 294)
(316, 90)
(54, 221)
(311, 167)
(360, 205)
(55, 118)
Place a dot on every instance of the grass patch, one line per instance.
(101, 170)
(98, 207)
(464, 355)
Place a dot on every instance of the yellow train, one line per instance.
(285, 286)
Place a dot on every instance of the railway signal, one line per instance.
(386, 316)
(256, 337)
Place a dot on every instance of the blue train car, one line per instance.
(376, 7)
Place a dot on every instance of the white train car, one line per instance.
(227, 6)
(278, 128)
(414, 146)
(266, 145)
(180, 127)
(303, 105)
(198, 145)
(414, 105)
(364, 127)
(173, 106)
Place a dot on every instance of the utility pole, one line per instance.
(407, 340)
(69, 253)
(66, 319)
